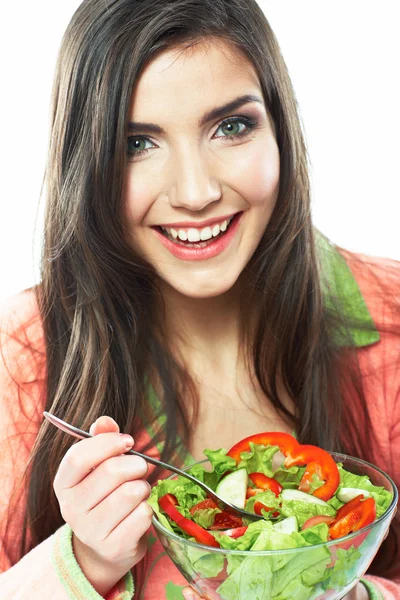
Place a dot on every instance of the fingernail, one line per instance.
(128, 440)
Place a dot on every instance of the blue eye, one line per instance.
(138, 144)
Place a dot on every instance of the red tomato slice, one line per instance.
(236, 532)
(203, 505)
(317, 520)
(167, 504)
(224, 520)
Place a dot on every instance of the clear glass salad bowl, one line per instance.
(293, 574)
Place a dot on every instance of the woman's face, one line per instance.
(203, 175)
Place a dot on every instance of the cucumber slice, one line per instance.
(347, 494)
(233, 487)
(288, 525)
(302, 497)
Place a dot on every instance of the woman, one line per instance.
(185, 298)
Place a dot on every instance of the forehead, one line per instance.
(190, 80)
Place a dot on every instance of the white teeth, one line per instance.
(193, 235)
(215, 230)
(206, 234)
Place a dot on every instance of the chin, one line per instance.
(201, 288)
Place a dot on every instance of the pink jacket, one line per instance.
(50, 571)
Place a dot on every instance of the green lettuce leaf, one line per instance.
(305, 510)
(299, 565)
(339, 576)
(318, 534)
(289, 478)
(187, 493)
(205, 517)
(207, 564)
(258, 459)
(382, 497)
(220, 464)
(267, 498)
(295, 590)
(251, 579)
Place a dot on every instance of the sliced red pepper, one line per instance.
(312, 469)
(167, 503)
(286, 443)
(348, 507)
(259, 506)
(266, 483)
(296, 455)
(253, 492)
(327, 468)
(353, 518)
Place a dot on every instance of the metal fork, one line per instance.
(80, 434)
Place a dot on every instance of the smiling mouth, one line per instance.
(197, 238)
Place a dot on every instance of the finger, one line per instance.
(109, 513)
(132, 528)
(88, 454)
(104, 424)
(108, 476)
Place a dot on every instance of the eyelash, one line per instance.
(251, 125)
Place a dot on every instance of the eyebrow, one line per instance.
(211, 115)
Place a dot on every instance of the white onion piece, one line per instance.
(277, 460)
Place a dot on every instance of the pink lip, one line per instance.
(213, 249)
(198, 224)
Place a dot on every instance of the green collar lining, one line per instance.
(343, 295)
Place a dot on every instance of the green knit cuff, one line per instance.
(373, 591)
(72, 578)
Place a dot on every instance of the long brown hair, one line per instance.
(98, 299)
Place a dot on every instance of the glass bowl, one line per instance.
(294, 574)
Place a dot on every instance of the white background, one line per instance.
(343, 57)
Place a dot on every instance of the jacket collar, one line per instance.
(343, 296)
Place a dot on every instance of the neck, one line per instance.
(204, 331)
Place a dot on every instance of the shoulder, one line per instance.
(379, 282)
(19, 312)
(22, 346)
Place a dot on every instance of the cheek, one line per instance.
(138, 196)
(256, 177)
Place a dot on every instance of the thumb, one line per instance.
(104, 424)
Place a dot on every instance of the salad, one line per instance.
(304, 498)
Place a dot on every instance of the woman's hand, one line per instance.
(102, 496)
(358, 592)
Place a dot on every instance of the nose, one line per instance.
(194, 186)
